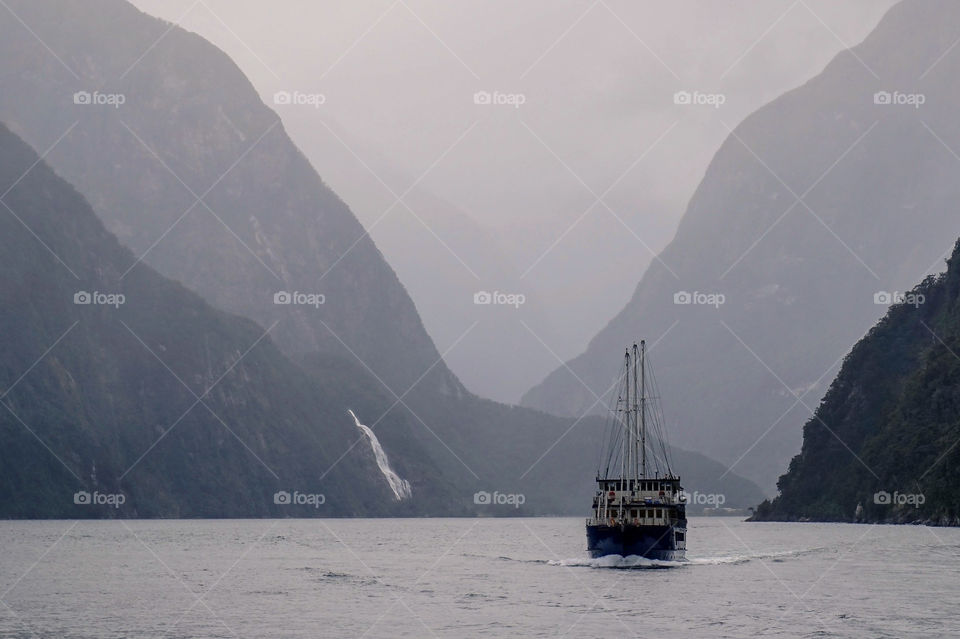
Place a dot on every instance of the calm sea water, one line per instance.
(470, 578)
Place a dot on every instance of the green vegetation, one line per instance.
(888, 428)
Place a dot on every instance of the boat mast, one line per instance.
(635, 448)
(643, 403)
(628, 439)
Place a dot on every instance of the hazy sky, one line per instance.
(598, 119)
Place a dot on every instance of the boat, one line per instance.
(639, 508)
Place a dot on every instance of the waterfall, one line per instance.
(399, 486)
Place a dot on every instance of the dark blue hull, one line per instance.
(662, 543)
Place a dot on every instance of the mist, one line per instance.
(562, 194)
(476, 318)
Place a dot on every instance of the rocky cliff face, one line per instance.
(882, 446)
(185, 164)
(813, 208)
(137, 388)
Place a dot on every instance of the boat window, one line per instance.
(680, 536)
(659, 513)
(633, 513)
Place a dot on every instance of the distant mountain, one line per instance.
(815, 210)
(136, 387)
(882, 446)
(444, 257)
(551, 461)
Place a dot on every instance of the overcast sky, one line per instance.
(598, 118)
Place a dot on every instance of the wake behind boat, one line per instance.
(638, 509)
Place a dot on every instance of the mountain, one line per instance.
(183, 162)
(814, 211)
(884, 439)
(186, 165)
(137, 387)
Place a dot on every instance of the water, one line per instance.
(470, 578)
(399, 486)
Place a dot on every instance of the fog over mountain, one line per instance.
(505, 198)
(177, 155)
(479, 318)
(170, 169)
(814, 213)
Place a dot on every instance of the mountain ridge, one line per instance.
(192, 137)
